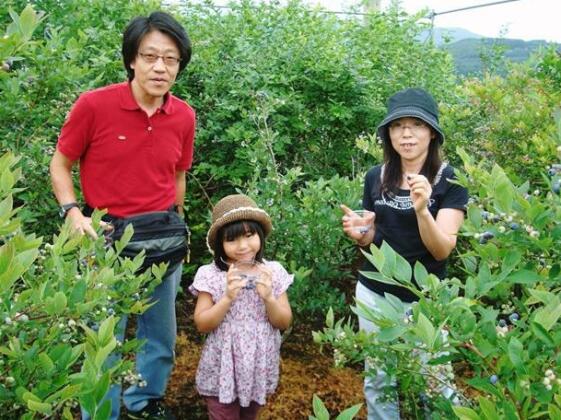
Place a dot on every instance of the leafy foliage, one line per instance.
(59, 304)
(498, 326)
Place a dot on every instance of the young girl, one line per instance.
(412, 205)
(242, 310)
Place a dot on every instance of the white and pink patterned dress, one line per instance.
(240, 358)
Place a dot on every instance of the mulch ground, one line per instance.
(304, 372)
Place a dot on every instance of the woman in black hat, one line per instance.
(411, 205)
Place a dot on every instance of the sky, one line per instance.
(521, 19)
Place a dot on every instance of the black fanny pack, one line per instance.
(162, 235)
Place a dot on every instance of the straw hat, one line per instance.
(233, 208)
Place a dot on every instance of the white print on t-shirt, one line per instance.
(399, 202)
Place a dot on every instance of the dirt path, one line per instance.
(304, 372)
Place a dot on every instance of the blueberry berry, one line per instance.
(556, 187)
(485, 236)
(514, 226)
(493, 379)
(502, 323)
(514, 317)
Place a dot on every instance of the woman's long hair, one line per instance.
(392, 170)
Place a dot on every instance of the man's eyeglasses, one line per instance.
(398, 127)
(169, 60)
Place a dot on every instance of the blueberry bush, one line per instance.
(493, 336)
(288, 100)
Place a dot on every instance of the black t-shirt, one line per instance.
(396, 224)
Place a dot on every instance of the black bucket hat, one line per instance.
(412, 102)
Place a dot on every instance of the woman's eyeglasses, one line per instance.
(417, 127)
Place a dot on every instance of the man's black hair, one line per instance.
(157, 21)
(232, 231)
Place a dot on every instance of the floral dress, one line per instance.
(240, 358)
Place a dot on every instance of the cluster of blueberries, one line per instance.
(513, 317)
(555, 173)
(503, 323)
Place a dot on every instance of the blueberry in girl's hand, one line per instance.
(250, 285)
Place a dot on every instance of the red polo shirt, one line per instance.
(128, 161)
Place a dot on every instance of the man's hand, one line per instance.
(82, 224)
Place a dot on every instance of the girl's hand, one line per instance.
(421, 190)
(264, 285)
(234, 282)
(349, 220)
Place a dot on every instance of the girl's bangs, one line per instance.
(239, 228)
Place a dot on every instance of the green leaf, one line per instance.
(390, 257)
(375, 275)
(548, 316)
(554, 412)
(106, 330)
(425, 330)
(69, 391)
(540, 296)
(55, 304)
(485, 386)
(515, 350)
(330, 318)
(389, 334)
(104, 411)
(421, 275)
(465, 413)
(45, 362)
(319, 409)
(102, 386)
(376, 257)
(402, 270)
(40, 407)
(541, 333)
(29, 396)
(349, 413)
(104, 352)
(488, 408)
(127, 235)
(524, 277)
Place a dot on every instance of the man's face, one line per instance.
(155, 66)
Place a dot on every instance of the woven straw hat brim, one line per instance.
(410, 112)
(240, 213)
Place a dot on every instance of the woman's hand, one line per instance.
(361, 229)
(264, 285)
(421, 190)
(234, 282)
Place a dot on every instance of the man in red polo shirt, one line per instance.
(134, 142)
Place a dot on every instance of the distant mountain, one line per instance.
(467, 47)
(444, 35)
(467, 52)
